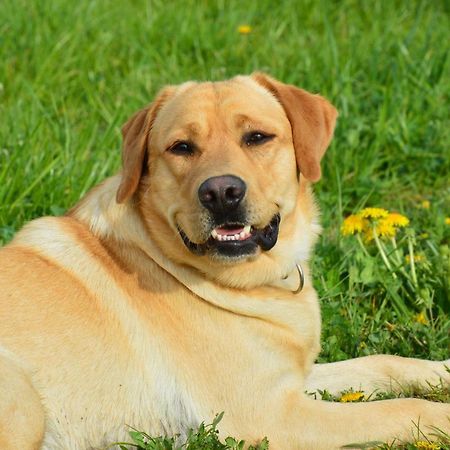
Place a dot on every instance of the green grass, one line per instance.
(204, 438)
(72, 72)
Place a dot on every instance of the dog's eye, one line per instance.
(256, 138)
(182, 148)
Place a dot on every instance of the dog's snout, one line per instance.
(221, 194)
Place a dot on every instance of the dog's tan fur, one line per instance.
(107, 319)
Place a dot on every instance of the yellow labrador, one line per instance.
(173, 291)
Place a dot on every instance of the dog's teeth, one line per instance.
(244, 234)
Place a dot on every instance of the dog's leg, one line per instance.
(335, 424)
(326, 425)
(21, 411)
(377, 372)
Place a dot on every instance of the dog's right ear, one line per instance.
(135, 133)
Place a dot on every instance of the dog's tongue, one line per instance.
(229, 231)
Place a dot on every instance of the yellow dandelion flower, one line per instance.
(417, 258)
(397, 220)
(244, 29)
(421, 318)
(427, 445)
(374, 213)
(447, 221)
(425, 204)
(352, 397)
(352, 224)
(368, 235)
(385, 228)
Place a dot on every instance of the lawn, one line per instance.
(71, 73)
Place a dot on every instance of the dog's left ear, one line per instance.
(135, 133)
(312, 120)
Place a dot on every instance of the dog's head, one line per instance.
(220, 174)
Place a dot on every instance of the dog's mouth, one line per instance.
(235, 239)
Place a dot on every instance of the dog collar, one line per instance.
(294, 281)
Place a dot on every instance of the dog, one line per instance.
(180, 288)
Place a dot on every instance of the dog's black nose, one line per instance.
(221, 194)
